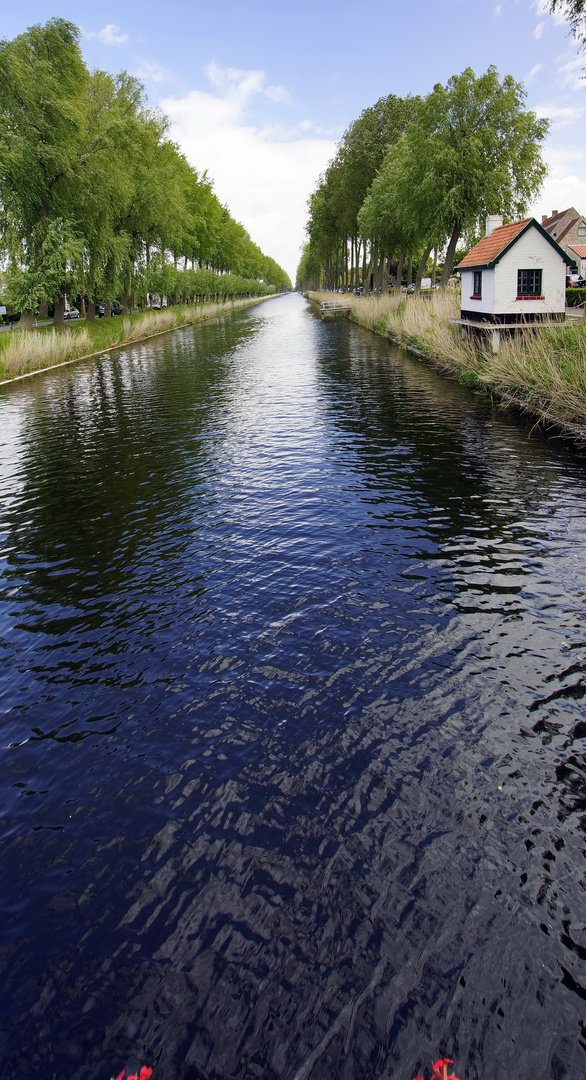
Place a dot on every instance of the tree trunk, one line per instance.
(421, 269)
(450, 255)
(400, 266)
(434, 271)
(107, 309)
(364, 267)
(59, 316)
(124, 303)
(43, 309)
(409, 270)
(26, 320)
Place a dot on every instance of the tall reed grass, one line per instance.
(154, 322)
(28, 351)
(543, 372)
(34, 350)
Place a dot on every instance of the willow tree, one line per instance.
(43, 91)
(361, 154)
(575, 12)
(474, 150)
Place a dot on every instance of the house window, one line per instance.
(529, 282)
(582, 228)
(477, 294)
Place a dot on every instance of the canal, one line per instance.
(293, 783)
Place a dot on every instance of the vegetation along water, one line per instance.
(293, 670)
(542, 373)
(293, 629)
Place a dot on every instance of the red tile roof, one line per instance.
(489, 247)
(579, 250)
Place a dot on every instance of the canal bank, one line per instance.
(23, 354)
(292, 705)
(542, 374)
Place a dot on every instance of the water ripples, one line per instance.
(294, 653)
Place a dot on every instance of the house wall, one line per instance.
(486, 304)
(567, 228)
(531, 251)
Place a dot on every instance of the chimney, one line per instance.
(543, 219)
(493, 221)
(553, 213)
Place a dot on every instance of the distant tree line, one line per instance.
(413, 175)
(95, 198)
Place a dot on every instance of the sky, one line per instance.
(259, 93)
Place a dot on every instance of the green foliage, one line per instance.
(575, 297)
(427, 170)
(575, 12)
(94, 197)
(334, 206)
(45, 269)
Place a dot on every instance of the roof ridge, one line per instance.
(488, 247)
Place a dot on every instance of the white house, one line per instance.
(516, 274)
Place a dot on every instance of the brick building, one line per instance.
(567, 228)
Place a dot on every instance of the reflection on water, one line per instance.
(294, 654)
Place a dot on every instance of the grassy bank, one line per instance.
(26, 352)
(543, 373)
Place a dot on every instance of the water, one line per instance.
(293, 674)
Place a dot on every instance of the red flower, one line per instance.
(144, 1074)
(440, 1070)
(120, 1075)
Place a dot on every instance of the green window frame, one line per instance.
(529, 282)
(477, 294)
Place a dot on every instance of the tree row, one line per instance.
(413, 175)
(94, 196)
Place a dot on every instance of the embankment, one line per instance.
(541, 373)
(25, 353)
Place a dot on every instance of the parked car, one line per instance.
(578, 283)
(101, 310)
(72, 313)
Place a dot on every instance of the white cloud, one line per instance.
(108, 35)
(538, 30)
(572, 73)
(534, 71)
(562, 114)
(264, 174)
(155, 73)
(565, 185)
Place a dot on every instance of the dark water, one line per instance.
(293, 725)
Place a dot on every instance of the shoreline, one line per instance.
(234, 305)
(541, 375)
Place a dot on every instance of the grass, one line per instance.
(25, 352)
(543, 373)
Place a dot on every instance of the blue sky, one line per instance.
(259, 93)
